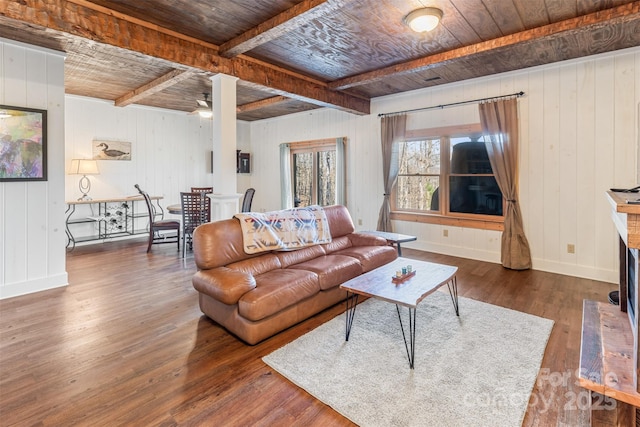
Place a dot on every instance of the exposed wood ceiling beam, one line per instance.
(84, 19)
(256, 105)
(157, 85)
(280, 24)
(626, 12)
(95, 7)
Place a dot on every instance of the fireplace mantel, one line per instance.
(626, 217)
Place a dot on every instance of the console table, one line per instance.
(113, 217)
(609, 361)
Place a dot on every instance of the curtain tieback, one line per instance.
(386, 194)
(511, 200)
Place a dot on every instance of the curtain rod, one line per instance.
(517, 94)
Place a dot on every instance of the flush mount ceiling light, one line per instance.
(425, 19)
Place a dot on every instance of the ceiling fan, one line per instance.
(205, 107)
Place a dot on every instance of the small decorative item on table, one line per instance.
(402, 275)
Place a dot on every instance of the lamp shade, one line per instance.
(425, 19)
(84, 167)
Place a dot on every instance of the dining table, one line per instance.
(175, 209)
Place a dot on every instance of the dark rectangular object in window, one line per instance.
(475, 195)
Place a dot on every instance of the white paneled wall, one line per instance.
(32, 247)
(578, 137)
(170, 151)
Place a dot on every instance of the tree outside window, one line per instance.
(314, 167)
(419, 175)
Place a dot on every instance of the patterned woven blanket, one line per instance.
(284, 230)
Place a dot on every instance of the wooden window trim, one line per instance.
(482, 222)
(313, 145)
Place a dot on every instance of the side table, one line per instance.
(392, 238)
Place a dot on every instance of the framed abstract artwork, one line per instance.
(23, 144)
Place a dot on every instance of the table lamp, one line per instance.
(84, 167)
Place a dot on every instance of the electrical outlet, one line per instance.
(571, 248)
(359, 221)
(445, 233)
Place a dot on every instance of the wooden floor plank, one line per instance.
(126, 344)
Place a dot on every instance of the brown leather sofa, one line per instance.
(257, 296)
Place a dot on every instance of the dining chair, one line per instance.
(203, 190)
(248, 198)
(155, 227)
(196, 210)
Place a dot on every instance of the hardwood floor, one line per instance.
(126, 344)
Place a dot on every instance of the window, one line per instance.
(314, 177)
(419, 175)
(447, 177)
(472, 186)
(317, 172)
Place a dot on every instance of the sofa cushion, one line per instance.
(339, 220)
(259, 265)
(224, 284)
(218, 243)
(363, 239)
(338, 243)
(288, 258)
(370, 257)
(276, 290)
(332, 270)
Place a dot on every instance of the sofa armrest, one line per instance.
(362, 239)
(223, 284)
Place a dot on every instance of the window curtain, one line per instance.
(286, 198)
(393, 131)
(499, 121)
(341, 185)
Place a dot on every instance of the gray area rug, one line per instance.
(474, 370)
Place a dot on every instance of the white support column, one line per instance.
(225, 201)
(224, 206)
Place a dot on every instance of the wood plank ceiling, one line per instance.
(293, 56)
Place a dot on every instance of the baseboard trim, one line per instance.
(582, 271)
(30, 286)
